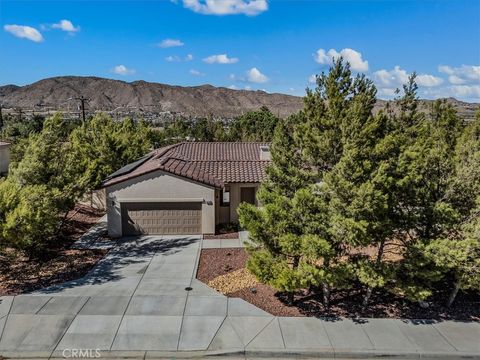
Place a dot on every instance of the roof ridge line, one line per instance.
(163, 150)
(225, 142)
(254, 160)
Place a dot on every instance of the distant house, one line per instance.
(186, 188)
(4, 157)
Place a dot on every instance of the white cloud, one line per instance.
(430, 86)
(254, 75)
(466, 91)
(397, 77)
(428, 80)
(168, 43)
(461, 75)
(232, 76)
(196, 72)
(66, 25)
(350, 55)
(176, 58)
(469, 93)
(248, 87)
(24, 32)
(123, 70)
(233, 87)
(456, 80)
(173, 58)
(227, 7)
(220, 59)
(387, 92)
(321, 56)
(394, 77)
(312, 79)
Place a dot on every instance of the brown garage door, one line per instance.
(161, 218)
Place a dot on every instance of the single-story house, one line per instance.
(186, 188)
(4, 157)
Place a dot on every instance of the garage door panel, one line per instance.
(161, 218)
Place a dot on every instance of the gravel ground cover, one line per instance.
(224, 270)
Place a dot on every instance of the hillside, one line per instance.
(148, 99)
(110, 95)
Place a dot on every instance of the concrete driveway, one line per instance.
(142, 300)
(142, 296)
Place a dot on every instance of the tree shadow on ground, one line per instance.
(383, 304)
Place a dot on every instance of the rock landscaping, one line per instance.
(224, 270)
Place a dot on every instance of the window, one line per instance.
(225, 197)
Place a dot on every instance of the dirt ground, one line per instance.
(19, 274)
(233, 235)
(224, 231)
(221, 268)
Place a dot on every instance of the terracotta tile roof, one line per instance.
(211, 163)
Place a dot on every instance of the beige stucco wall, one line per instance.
(4, 158)
(159, 185)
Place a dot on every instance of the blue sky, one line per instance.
(274, 45)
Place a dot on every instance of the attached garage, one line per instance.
(161, 218)
(159, 203)
(184, 189)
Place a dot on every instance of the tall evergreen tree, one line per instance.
(295, 230)
(324, 117)
(276, 229)
(425, 170)
(101, 146)
(458, 252)
(253, 126)
(45, 161)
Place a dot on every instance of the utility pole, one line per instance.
(19, 112)
(82, 100)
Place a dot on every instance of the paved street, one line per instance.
(142, 300)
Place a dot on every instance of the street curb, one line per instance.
(242, 354)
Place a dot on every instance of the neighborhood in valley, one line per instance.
(240, 179)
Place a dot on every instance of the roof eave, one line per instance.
(113, 181)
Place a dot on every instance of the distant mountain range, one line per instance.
(137, 97)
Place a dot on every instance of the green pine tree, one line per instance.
(101, 146)
(276, 229)
(425, 171)
(294, 231)
(459, 252)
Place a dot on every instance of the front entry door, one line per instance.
(247, 194)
